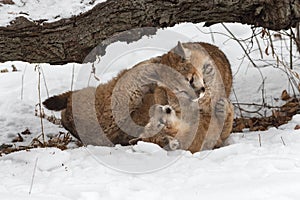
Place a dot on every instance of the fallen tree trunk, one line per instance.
(70, 40)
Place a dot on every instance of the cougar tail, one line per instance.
(57, 102)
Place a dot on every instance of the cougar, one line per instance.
(118, 111)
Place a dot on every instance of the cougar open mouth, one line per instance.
(200, 93)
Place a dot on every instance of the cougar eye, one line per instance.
(192, 80)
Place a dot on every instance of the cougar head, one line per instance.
(189, 71)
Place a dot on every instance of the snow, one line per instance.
(240, 170)
(253, 165)
(50, 10)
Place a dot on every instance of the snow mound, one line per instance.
(145, 147)
(50, 10)
(243, 169)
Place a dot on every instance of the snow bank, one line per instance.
(50, 10)
(242, 170)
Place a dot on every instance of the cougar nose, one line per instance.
(168, 110)
(200, 92)
(202, 89)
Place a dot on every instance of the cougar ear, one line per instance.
(182, 51)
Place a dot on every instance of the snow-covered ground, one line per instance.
(254, 165)
(242, 170)
(50, 10)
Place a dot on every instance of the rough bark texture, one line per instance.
(70, 40)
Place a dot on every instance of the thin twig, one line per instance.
(239, 42)
(291, 50)
(259, 47)
(256, 104)
(22, 87)
(271, 43)
(212, 35)
(72, 81)
(47, 91)
(297, 37)
(221, 33)
(33, 175)
(93, 72)
(259, 140)
(291, 79)
(248, 56)
(238, 105)
(282, 141)
(248, 111)
(262, 88)
(88, 85)
(40, 102)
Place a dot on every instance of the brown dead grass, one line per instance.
(61, 141)
(279, 117)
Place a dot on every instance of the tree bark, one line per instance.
(71, 40)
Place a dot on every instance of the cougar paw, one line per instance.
(171, 143)
(135, 141)
(174, 144)
(220, 108)
(208, 69)
(208, 73)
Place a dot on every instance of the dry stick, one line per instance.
(290, 75)
(297, 37)
(237, 101)
(22, 87)
(282, 141)
(256, 104)
(259, 140)
(239, 67)
(33, 175)
(223, 34)
(281, 52)
(45, 82)
(262, 87)
(212, 35)
(46, 87)
(250, 59)
(271, 43)
(73, 69)
(291, 50)
(291, 78)
(288, 70)
(213, 32)
(255, 111)
(93, 72)
(249, 45)
(259, 47)
(88, 85)
(233, 36)
(40, 103)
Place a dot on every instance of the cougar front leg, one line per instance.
(221, 108)
(224, 113)
(208, 71)
(164, 141)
